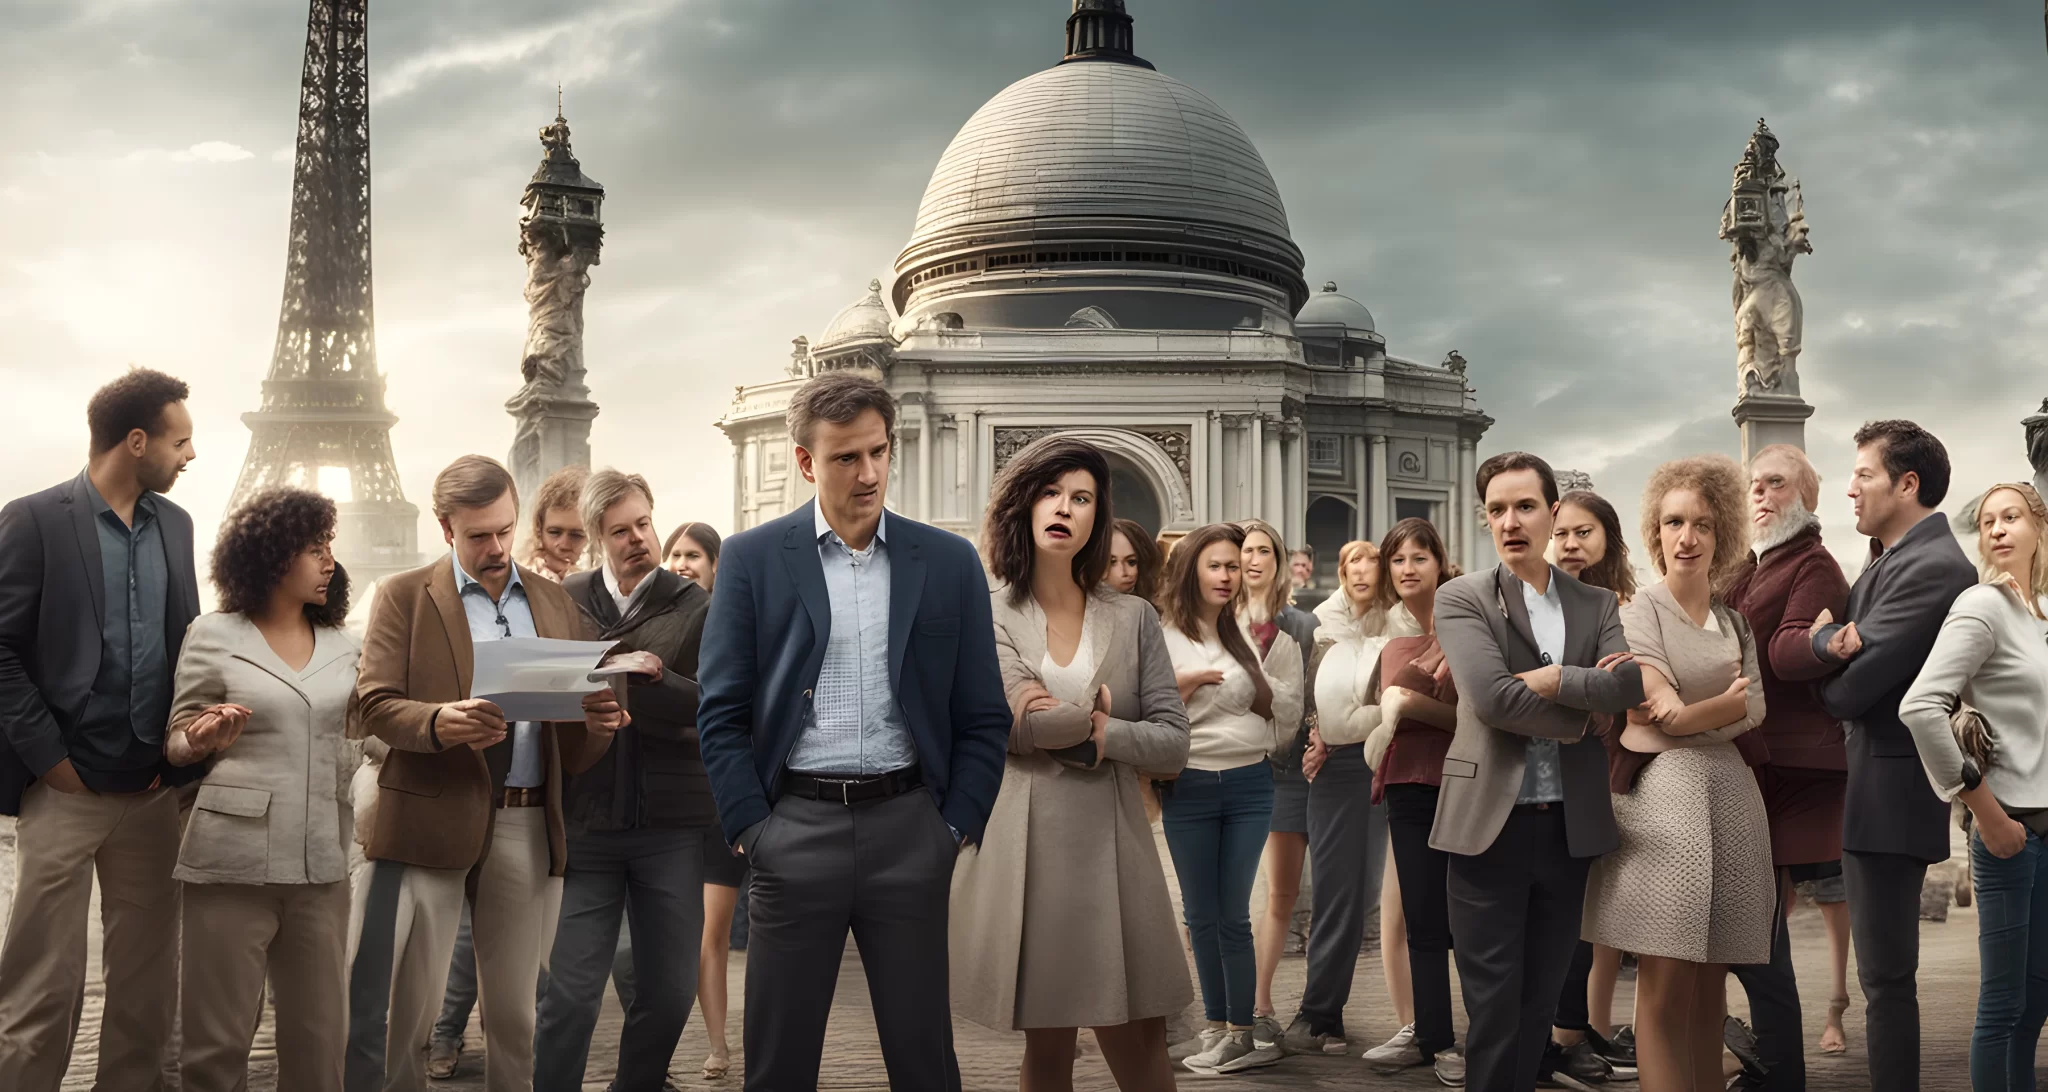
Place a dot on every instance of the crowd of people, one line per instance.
(957, 753)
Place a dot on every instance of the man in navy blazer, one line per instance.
(854, 725)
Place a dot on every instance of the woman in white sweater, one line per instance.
(1216, 813)
(1992, 653)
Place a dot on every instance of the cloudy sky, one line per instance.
(1535, 185)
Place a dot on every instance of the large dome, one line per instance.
(1100, 163)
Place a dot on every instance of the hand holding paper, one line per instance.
(542, 678)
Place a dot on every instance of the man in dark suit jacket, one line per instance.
(1524, 807)
(854, 725)
(1893, 826)
(97, 587)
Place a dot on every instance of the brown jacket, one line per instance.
(434, 806)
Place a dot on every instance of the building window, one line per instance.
(778, 460)
(1414, 508)
(1326, 452)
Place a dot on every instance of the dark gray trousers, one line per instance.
(1774, 1013)
(1515, 912)
(884, 871)
(1884, 925)
(656, 876)
(1347, 838)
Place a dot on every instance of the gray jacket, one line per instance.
(274, 806)
(1483, 626)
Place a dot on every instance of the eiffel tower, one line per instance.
(323, 424)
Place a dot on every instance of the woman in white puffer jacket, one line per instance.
(1346, 834)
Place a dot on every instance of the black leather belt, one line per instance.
(842, 789)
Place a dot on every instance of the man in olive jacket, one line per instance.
(639, 820)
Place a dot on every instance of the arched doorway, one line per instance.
(1330, 520)
(1131, 495)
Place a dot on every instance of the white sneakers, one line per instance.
(1227, 1046)
(1397, 1053)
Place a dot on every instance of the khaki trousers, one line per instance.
(235, 934)
(61, 840)
(513, 924)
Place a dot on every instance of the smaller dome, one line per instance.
(865, 319)
(1333, 308)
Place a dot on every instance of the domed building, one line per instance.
(1102, 252)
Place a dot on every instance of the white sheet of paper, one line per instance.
(538, 678)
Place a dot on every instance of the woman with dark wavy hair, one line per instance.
(691, 552)
(263, 693)
(1061, 920)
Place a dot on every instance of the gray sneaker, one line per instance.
(1262, 1055)
(1450, 1067)
(1397, 1053)
(1304, 1037)
(1266, 1031)
(1233, 1045)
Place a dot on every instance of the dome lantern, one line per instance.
(1100, 30)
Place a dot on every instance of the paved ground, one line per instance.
(989, 1059)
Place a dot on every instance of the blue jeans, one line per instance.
(2012, 947)
(1216, 829)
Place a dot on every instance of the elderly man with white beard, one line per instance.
(1801, 765)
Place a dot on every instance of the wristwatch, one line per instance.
(1972, 776)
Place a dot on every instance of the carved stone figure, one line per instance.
(1765, 220)
(2037, 446)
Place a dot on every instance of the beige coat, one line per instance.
(274, 806)
(1061, 918)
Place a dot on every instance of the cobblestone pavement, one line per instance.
(988, 1059)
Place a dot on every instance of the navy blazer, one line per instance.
(52, 597)
(764, 641)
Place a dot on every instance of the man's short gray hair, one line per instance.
(604, 489)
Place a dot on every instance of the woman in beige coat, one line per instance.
(263, 692)
(1061, 919)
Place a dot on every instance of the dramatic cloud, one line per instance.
(1537, 186)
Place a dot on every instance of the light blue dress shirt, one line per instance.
(510, 616)
(1542, 776)
(854, 725)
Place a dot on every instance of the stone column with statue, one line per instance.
(1765, 222)
(560, 237)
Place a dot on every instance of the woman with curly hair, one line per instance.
(264, 686)
(1690, 890)
(1061, 920)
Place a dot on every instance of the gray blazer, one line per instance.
(1898, 603)
(1483, 626)
(274, 806)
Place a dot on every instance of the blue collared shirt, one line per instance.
(122, 726)
(509, 616)
(854, 725)
(1542, 776)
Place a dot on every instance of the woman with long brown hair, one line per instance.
(1265, 609)
(1061, 919)
(1135, 560)
(1217, 811)
(1690, 890)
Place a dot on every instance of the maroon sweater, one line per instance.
(1416, 754)
(1781, 594)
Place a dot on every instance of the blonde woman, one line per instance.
(1690, 890)
(1991, 655)
(556, 544)
(1264, 611)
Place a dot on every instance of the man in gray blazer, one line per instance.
(1893, 826)
(1524, 807)
(97, 587)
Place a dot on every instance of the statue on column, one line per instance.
(2037, 446)
(560, 237)
(1765, 220)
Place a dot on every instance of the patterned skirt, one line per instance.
(1692, 879)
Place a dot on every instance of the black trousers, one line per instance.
(1573, 1013)
(1346, 859)
(1515, 910)
(1884, 925)
(1411, 812)
(1774, 1012)
(883, 871)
